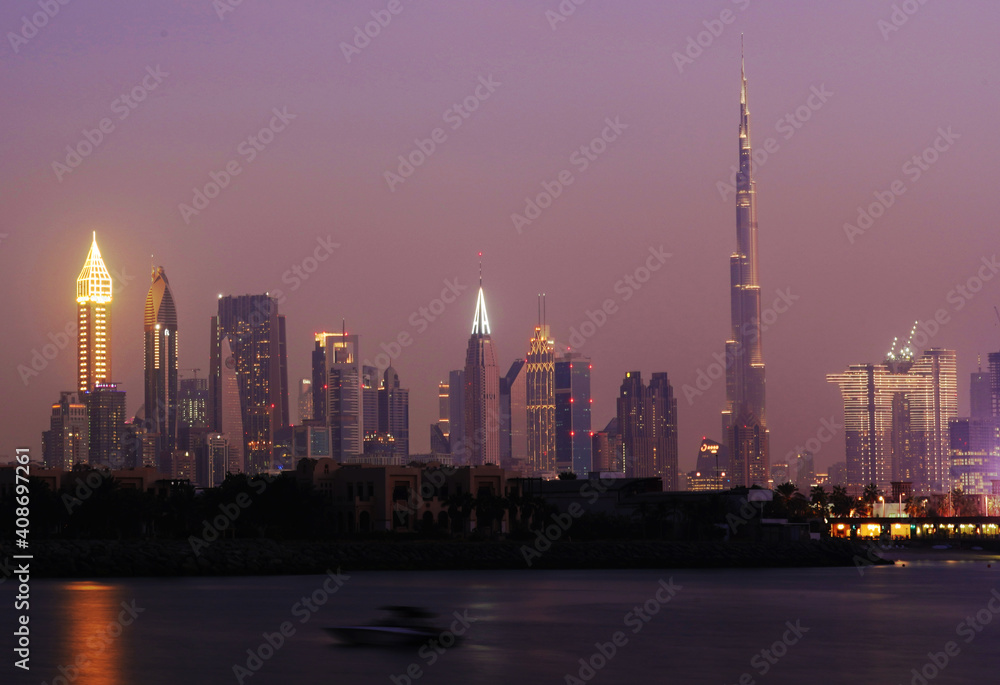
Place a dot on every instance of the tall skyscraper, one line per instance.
(192, 403)
(444, 409)
(160, 372)
(394, 414)
(981, 402)
(540, 367)
(67, 442)
(744, 419)
(337, 369)
(574, 444)
(229, 427)
(93, 298)
(514, 418)
(896, 418)
(106, 405)
(647, 420)
(371, 382)
(256, 334)
(482, 391)
(305, 400)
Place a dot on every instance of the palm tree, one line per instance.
(841, 503)
(820, 500)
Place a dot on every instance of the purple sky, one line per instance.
(656, 185)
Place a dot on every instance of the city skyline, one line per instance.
(863, 311)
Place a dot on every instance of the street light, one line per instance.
(882, 500)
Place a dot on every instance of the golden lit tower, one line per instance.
(540, 391)
(93, 298)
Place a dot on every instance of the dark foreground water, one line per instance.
(817, 625)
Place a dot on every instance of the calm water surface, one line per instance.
(529, 627)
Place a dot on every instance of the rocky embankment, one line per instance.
(100, 558)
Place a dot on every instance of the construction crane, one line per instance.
(191, 369)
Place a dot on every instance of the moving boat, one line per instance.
(406, 626)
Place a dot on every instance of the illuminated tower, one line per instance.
(540, 367)
(338, 372)
(160, 331)
(744, 420)
(574, 439)
(482, 391)
(93, 298)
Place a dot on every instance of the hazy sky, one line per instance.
(212, 83)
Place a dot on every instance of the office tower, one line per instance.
(456, 414)
(482, 391)
(994, 374)
(609, 449)
(514, 418)
(192, 403)
(93, 298)
(220, 458)
(160, 372)
(974, 457)
(647, 419)
(394, 414)
(305, 400)
(371, 381)
(106, 406)
(803, 471)
(713, 464)
(67, 441)
(256, 335)
(896, 419)
(337, 369)
(574, 448)
(440, 431)
(229, 425)
(744, 419)
(980, 398)
(540, 395)
(837, 474)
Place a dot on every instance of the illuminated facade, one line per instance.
(574, 444)
(896, 418)
(394, 414)
(337, 371)
(540, 368)
(975, 459)
(67, 442)
(647, 420)
(256, 335)
(482, 394)
(93, 299)
(106, 405)
(160, 337)
(744, 419)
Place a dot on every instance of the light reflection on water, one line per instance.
(868, 626)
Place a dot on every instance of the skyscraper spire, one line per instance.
(481, 323)
(482, 391)
(93, 297)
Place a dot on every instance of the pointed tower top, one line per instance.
(481, 323)
(94, 281)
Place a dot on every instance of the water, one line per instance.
(529, 627)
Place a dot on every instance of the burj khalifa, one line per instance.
(744, 419)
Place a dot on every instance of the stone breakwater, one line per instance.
(104, 558)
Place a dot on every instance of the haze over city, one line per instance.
(845, 102)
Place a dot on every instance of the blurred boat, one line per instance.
(406, 626)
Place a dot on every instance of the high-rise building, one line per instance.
(608, 449)
(540, 386)
(647, 419)
(980, 397)
(574, 444)
(974, 455)
(662, 412)
(371, 382)
(896, 418)
(305, 400)
(67, 442)
(93, 298)
(994, 373)
(444, 409)
(744, 419)
(712, 468)
(514, 418)
(337, 369)
(256, 336)
(456, 415)
(192, 403)
(803, 471)
(106, 406)
(482, 392)
(160, 372)
(394, 414)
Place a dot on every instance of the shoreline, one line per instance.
(173, 558)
